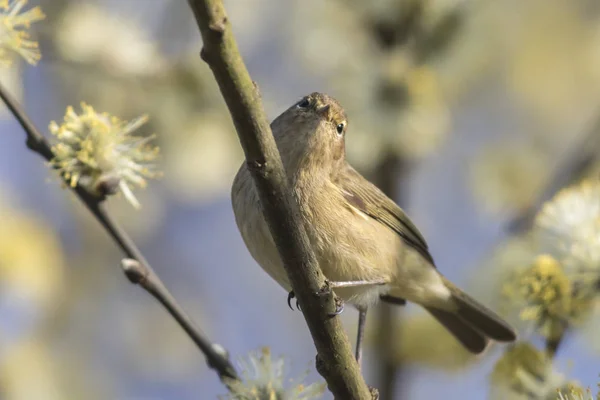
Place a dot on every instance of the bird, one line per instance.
(367, 247)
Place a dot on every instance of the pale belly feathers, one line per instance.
(364, 251)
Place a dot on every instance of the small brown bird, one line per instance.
(365, 244)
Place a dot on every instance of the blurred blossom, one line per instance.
(250, 21)
(396, 64)
(383, 9)
(477, 49)
(29, 372)
(327, 34)
(15, 35)
(423, 341)
(508, 177)
(547, 280)
(364, 149)
(202, 161)
(507, 260)
(436, 10)
(569, 227)
(593, 61)
(550, 70)
(263, 379)
(525, 373)
(99, 152)
(545, 295)
(393, 102)
(31, 272)
(90, 34)
(424, 123)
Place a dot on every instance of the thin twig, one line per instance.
(389, 174)
(143, 276)
(575, 161)
(553, 344)
(335, 360)
(95, 204)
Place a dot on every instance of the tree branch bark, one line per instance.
(149, 280)
(334, 360)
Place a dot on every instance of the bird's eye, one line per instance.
(304, 103)
(340, 128)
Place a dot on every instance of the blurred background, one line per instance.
(470, 113)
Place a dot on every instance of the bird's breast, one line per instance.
(254, 229)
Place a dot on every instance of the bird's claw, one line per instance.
(339, 307)
(291, 295)
(339, 303)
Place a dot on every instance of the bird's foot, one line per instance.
(291, 295)
(339, 303)
(339, 307)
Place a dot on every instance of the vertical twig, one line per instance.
(335, 360)
(389, 175)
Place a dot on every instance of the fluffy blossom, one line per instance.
(89, 34)
(99, 152)
(14, 36)
(263, 379)
(569, 227)
(576, 393)
(545, 295)
(524, 373)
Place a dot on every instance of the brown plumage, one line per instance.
(356, 231)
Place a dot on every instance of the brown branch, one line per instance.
(152, 283)
(334, 360)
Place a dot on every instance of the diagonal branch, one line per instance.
(142, 273)
(571, 165)
(334, 360)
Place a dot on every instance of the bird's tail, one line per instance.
(472, 323)
(473, 340)
(480, 317)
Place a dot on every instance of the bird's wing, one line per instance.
(368, 199)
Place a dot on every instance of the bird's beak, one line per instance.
(324, 111)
